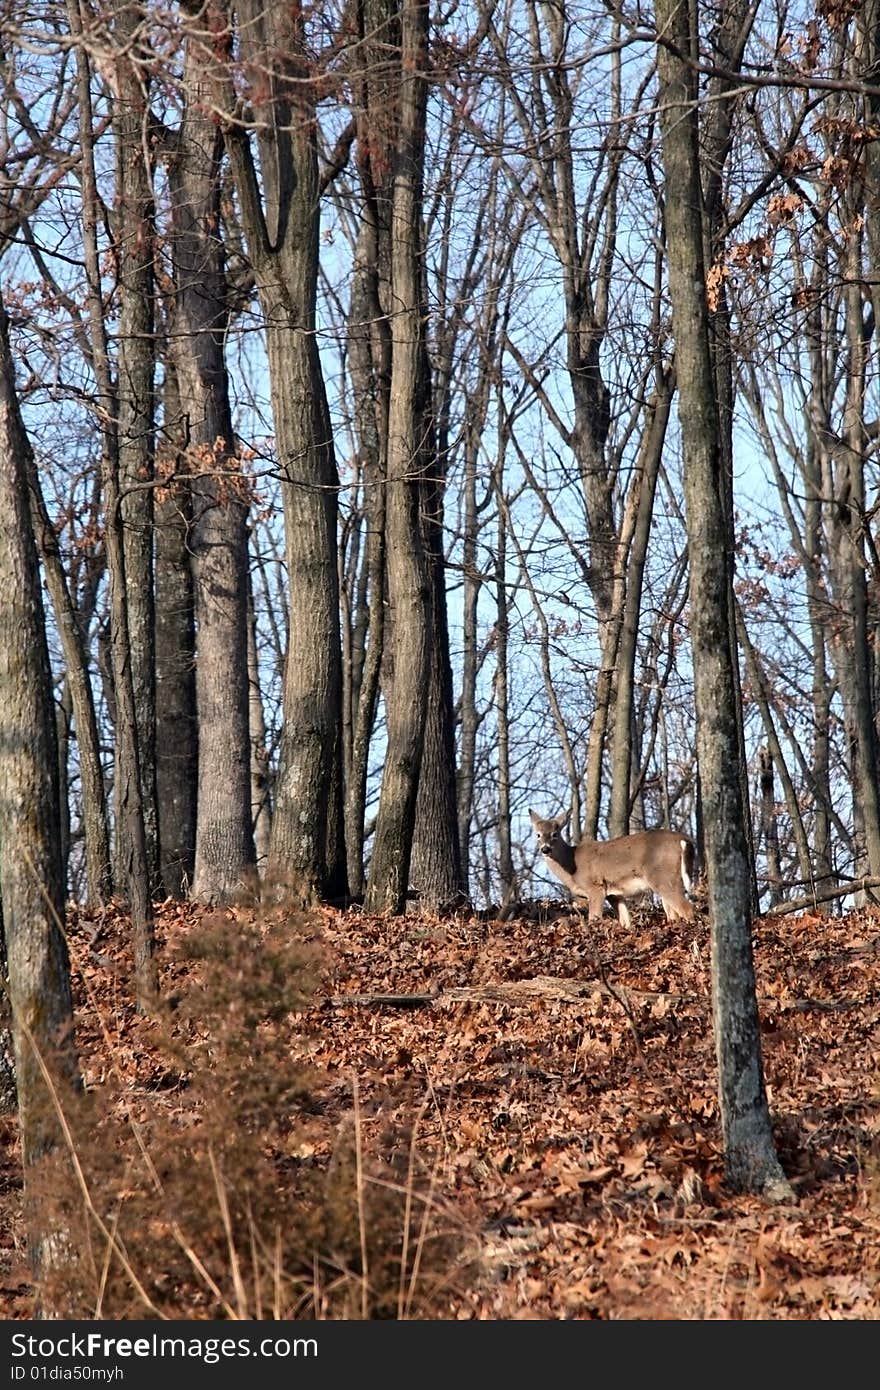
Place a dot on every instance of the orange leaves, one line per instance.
(715, 278)
(751, 258)
(783, 207)
(837, 13)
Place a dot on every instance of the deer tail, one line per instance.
(688, 857)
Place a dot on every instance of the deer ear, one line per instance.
(532, 817)
(562, 821)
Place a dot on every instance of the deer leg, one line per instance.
(620, 907)
(678, 908)
(594, 908)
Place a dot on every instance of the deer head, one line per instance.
(656, 861)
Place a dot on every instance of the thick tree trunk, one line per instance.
(851, 567)
(862, 262)
(409, 581)
(306, 825)
(280, 214)
(728, 39)
(31, 881)
(436, 859)
(225, 857)
(750, 1158)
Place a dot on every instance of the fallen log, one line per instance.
(539, 987)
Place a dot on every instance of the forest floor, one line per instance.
(541, 1100)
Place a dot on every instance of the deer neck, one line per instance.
(563, 863)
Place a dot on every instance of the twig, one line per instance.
(613, 990)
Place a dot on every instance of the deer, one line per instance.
(656, 861)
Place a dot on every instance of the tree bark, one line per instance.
(436, 870)
(99, 875)
(261, 782)
(751, 1163)
(131, 842)
(409, 583)
(134, 236)
(37, 972)
(177, 741)
(370, 356)
(225, 857)
(280, 214)
(728, 39)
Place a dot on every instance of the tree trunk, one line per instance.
(280, 214)
(370, 357)
(177, 743)
(436, 860)
(507, 878)
(131, 842)
(750, 1159)
(31, 881)
(634, 566)
(468, 719)
(773, 755)
(728, 40)
(409, 583)
(225, 857)
(769, 827)
(436, 863)
(851, 562)
(261, 784)
(62, 739)
(136, 254)
(8, 1097)
(99, 877)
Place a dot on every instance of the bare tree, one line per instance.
(409, 582)
(750, 1158)
(278, 192)
(177, 730)
(584, 137)
(219, 494)
(37, 973)
(99, 877)
(129, 57)
(129, 815)
(35, 163)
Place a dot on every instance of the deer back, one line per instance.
(649, 860)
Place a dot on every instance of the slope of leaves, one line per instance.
(546, 1097)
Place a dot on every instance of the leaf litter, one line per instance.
(567, 1113)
